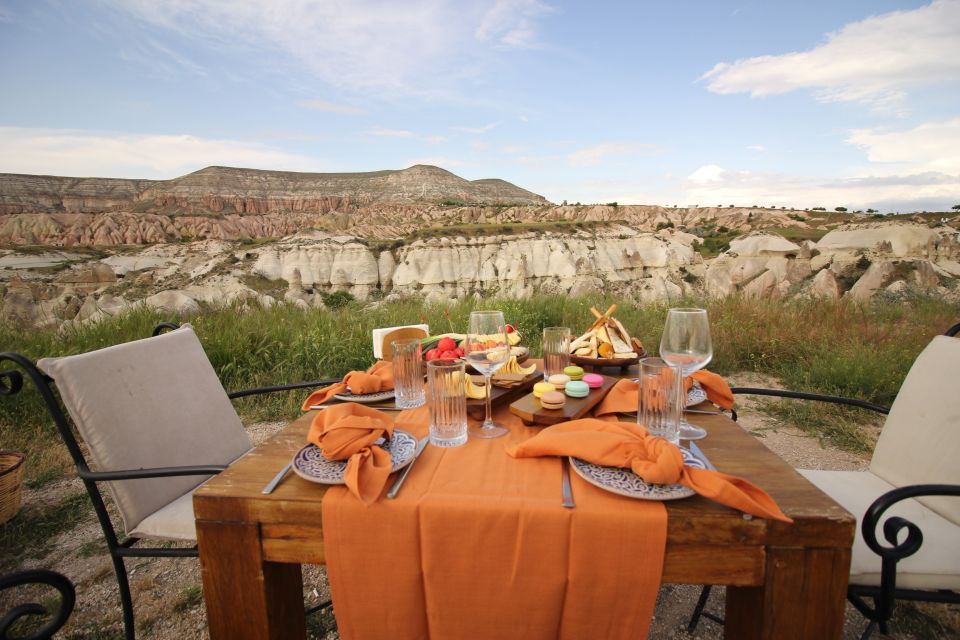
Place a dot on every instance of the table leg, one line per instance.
(803, 597)
(247, 597)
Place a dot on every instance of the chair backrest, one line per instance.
(150, 403)
(920, 441)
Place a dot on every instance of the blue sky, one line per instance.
(816, 103)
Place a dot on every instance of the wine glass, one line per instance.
(487, 350)
(686, 344)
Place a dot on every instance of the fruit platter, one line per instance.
(450, 346)
(606, 343)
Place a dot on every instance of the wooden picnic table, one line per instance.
(784, 580)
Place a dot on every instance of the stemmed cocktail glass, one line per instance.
(487, 350)
(686, 343)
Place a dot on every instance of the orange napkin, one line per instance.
(619, 444)
(348, 432)
(623, 397)
(379, 377)
(718, 391)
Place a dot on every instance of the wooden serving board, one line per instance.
(530, 411)
(500, 396)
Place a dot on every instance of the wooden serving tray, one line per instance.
(500, 396)
(530, 411)
(601, 363)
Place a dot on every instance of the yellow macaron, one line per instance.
(541, 388)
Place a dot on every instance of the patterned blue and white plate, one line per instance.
(310, 464)
(365, 398)
(696, 395)
(626, 483)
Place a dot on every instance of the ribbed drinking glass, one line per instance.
(556, 350)
(447, 400)
(408, 373)
(658, 412)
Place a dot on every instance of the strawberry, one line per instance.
(449, 355)
(433, 354)
(510, 328)
(446, 344)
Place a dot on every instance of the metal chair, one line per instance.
(914, 473)
(167, 384)
(58, 615)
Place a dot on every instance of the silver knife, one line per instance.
(276, 479)
(695, 450)
(565, 484)
(403, 474)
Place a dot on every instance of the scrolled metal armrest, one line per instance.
(59, 582)
(158, 472)
(803, 395)
(893, 525)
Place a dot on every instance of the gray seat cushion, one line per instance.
(150, 403)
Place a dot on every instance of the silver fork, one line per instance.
(567, 491)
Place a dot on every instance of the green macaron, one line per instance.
(574, 372)
(576, 388)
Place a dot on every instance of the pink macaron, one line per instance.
(593, 380)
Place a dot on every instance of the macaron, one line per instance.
(574, 372)
(552, 400)
(541, 388)
(593, 380)
(577, 389)
(559, 380)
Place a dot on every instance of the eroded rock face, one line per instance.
(60, 288)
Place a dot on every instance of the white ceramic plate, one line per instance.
(626, 483)
(365, 398)
(309, 463)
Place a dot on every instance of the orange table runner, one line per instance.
(478, 545)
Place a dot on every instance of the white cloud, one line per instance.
(513, 149)
(874, 61)
(421, 46)
(390, 133)
(72, 152)
(759, 148)
(593, 155)
(511, 24)
(332, 107)
(706, 174)
(477, 130)
(932, 146)
(436, 139)
(900, 192)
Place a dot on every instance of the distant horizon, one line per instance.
(549, 202)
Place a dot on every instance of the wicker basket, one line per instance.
(11, 484)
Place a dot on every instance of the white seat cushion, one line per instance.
(173, 522)
(920, 441)
(935, 566)
(149, 403)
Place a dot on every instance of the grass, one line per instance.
(189, 598)
(855, 350)
(32, 531)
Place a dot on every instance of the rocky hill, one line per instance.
(223, 190)
(78, 249)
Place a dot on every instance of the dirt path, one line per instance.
(168, 600)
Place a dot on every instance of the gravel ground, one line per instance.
(168, 603)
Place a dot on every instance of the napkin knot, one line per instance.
(350, 432)
(378, 377)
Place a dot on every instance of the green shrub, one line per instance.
(338, 299)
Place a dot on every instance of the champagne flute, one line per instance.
(686, 343)
(487, 350)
